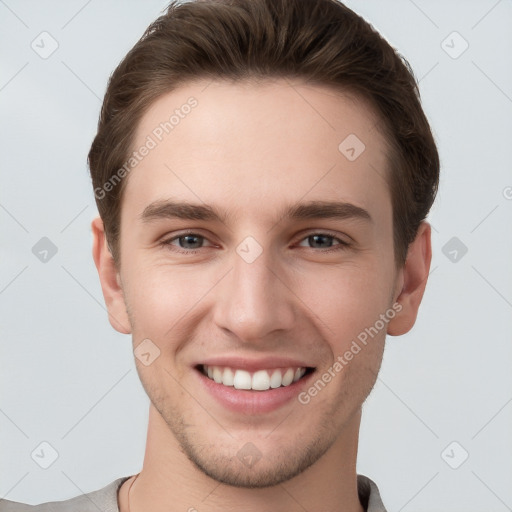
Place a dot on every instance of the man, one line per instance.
(285, 141)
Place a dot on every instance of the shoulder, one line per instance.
(104, 499)
(369, 495)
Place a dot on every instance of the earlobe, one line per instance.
(414, 277)
(110, 279)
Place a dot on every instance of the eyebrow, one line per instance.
(169, 209)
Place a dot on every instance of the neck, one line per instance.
(170, 482)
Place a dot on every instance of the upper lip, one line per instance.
(253, 364)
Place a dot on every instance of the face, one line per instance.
(269, 277)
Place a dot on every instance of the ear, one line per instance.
(412, 281)
(110, 279)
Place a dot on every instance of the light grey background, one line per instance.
(68, 379)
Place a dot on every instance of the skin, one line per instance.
(279, 142)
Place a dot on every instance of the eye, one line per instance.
(191, 243)
(326, 239)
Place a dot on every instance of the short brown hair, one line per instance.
(319, 41)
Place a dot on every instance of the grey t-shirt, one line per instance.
(105, 500)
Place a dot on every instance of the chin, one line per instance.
(263, 474)
(262, 464)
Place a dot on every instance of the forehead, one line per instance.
(247, 144)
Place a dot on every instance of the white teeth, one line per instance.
(242, 380)
(288, 377)
(228, 377)
(276, 379)
(262, 380)
(217, 374)
(299, 372)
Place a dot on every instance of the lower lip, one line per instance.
(252, 402)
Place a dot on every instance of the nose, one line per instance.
(255, 299)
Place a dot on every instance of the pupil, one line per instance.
(315, 238)
(187, 239)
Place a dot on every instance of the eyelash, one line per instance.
(342, 245)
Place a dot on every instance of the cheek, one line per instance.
(346, 300)
(341, 301)
(167, 302)
(161, 297)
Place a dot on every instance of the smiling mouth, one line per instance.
(261, 380)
